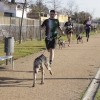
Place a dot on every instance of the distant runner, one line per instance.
(87, 24)
(69, 30)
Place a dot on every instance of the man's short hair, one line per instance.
(52, 11)
(69, 16)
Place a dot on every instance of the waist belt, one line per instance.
(50, 38)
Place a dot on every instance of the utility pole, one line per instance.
(54, 5)
(20, 35)
(40, 25)
(40, 19)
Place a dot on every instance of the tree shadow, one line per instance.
(13, 82)
(5, 68)
(2, 68)
(18, 82)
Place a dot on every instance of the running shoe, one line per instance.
(68, 45)
(50, 62)
(87, 39)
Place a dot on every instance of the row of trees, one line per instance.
(71, 8)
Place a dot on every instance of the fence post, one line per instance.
(40, 26)
(10, 27)
(27, 29)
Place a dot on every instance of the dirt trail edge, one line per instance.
(73, 69)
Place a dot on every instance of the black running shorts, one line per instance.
(69, 32)
(50, 43)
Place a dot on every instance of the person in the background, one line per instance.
(69, 30)
(87, 24)
(52, 26)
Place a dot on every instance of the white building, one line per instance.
(13, 10)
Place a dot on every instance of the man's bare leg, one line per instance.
(51, 55)
(69, 39)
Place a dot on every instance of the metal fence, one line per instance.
(10, 26)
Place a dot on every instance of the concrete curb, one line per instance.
(93, 87)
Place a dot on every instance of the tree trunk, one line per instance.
(12, 1)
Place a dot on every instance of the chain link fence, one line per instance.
(10, 26)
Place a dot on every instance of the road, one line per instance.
(73, 69)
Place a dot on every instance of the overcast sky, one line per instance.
(83, 5)
(87, 5)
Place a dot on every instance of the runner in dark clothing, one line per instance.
(87, 24)
(69, 29)
(51, 27)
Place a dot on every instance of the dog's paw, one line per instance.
(42, 82)
(33, 85)
(82, 41)
(51, 72)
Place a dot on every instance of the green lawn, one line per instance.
(24, 49)
(98, 95)
(29, 47)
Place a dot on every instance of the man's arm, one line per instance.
(59, 28)
(65, 26)
(62, 32)
(43, 25)
(73, 28)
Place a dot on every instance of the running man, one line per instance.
(87, 24)
(69, 30)
(51, 26)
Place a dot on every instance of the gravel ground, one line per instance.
(73, 68)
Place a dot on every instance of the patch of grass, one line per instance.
(29, 47)
(24, 49)
(82, 94)
(98, 95)
(74, 35)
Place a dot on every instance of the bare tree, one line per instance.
(71, 7)
(63, 11)
(39, 6)
(81, 16)
(55, 4)
(12, 1)
(92, 12)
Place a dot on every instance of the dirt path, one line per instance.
(73, 68)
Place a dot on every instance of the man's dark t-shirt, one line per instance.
(69, 25)
(51, 27)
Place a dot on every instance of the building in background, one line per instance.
(12, 9)
(36, 15)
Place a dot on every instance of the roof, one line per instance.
(13, 3)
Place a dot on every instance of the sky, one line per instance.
(87, 5)
(83, 5)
